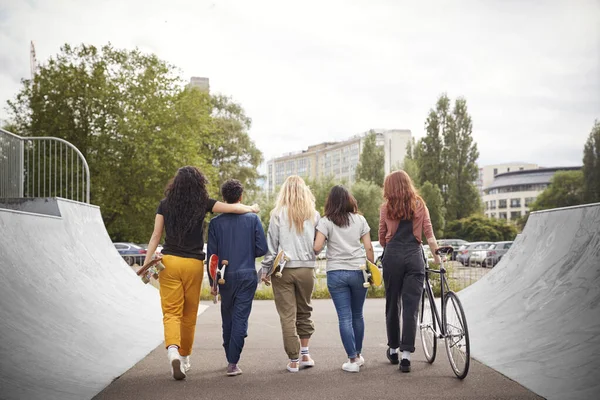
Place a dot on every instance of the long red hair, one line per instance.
(400, 196)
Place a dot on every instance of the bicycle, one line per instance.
(452, 324)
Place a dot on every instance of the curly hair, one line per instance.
(186, 200)
(232, 191)
(339, 205)
(401, 196)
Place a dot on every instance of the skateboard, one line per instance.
(213, 271)
(280, 260)
(216, 273)
(371, 273)
(151, 270)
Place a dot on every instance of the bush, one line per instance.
(479, 228)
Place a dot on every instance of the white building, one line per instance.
(337, 159)
(489, 172)
(511, 194)
(199, 83)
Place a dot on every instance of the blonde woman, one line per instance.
(403, 220)
(292, 229)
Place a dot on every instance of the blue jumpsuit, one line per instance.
(239, 239)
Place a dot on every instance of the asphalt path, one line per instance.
(265, 377)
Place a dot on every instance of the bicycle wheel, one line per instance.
(427, 327)
(457, 335)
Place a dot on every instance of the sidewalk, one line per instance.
(263, 362)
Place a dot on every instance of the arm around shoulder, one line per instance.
(237, 208)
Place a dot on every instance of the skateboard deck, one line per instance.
(151, 270)
(213, 271)
(279, 263)
(371, 273)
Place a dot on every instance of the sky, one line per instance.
(312, 71)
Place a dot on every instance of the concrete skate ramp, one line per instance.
(73, 315)
(536, 317)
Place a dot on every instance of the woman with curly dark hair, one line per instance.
(403, 220)
(181, 215)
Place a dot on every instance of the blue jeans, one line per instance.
(236, 304)
(348, 295)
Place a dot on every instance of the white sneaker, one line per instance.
(187, 365)
(351, 366)
(360, 361)
(306, 364)
(292, 369)
(177, 371)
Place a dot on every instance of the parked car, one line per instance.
(472, 253)
(495, 253)
(145, 247)
(455, 243)
(323, 254)
(378, 251)
(428, 253)
(131, 252)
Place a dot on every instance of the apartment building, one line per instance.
(489, 172)
(199, 83)
(337, 159)
(511, 194)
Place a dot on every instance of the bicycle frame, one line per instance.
(443, 289)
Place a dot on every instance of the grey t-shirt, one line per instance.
(344, 250)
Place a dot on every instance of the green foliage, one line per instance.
(479, 228)
(432, 195)
(128, 114)
(591, 166)
(266, 201)
(320, 292)
(320, 189)
(234, 154)
(370, 168)
(369, 197)
(566, 189)
(447, 157)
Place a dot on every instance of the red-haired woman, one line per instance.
(404, 219)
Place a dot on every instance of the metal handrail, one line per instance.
(19, 169)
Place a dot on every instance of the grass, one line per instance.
(320, 291)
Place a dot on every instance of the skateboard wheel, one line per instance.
(278, 274)
(155, 276)
(145, 279)
(221, 281)
(363, 267)
(366, 285)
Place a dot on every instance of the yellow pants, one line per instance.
(180, 284)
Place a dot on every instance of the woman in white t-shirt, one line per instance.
(344, 228)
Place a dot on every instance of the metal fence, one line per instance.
(42, 167)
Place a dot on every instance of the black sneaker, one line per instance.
(392, 357)
(405, 365)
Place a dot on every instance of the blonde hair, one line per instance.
(298, 200)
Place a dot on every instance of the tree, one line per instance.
(432, 196)
(410, 164)
(369, 197)
(480, 228)
(447, 157)
(234, 154)
(566, 189)
(370, 167)
(320, 189)
(128, 114)
(591, 166)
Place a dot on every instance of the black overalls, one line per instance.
(403, 275)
